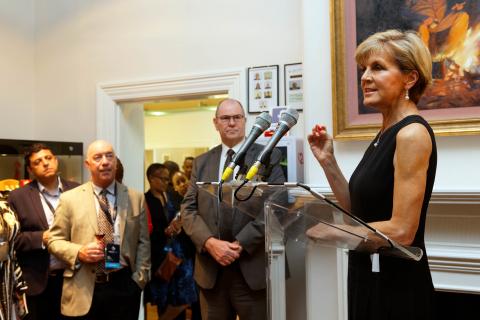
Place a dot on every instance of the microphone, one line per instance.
(262, 122)
(287, 120)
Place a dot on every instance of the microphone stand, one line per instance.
(242, 172)
(265, 173)
(262, 176)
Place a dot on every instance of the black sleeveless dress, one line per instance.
(402, 289)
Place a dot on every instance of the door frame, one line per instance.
(110, 94)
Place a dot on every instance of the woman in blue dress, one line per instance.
(166, 235)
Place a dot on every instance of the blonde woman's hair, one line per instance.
(408, 51)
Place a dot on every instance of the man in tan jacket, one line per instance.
(93, 289)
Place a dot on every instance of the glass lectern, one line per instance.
(297, 217)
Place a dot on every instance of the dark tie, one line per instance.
(229, 158)
(105, 224)
(225, 224)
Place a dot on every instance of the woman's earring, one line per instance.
(407, 97)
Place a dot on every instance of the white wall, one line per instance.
(17, 69)
(82, 43)
(321, 265)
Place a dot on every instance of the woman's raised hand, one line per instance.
(321, 143)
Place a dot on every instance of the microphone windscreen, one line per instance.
(289, 117)
(263, 121)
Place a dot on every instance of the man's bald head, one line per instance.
(226, 102)
(101, 162)
(230, 122)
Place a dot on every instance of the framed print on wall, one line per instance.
(262, 88)
(294, 85)
(450, 28)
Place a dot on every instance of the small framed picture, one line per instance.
(262, 88)
(294, 85)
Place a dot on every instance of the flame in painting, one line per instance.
(460, 45)
(467, 55)
(455, 46)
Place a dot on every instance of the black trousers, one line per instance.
(118, 299)
(231, 296)
(47, 304)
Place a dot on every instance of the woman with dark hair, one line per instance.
(179, 291)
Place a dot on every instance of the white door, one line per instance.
(131, 144)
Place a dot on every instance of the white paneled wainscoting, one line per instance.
(453, 241)
(452, 238)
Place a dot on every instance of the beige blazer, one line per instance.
(75, 225)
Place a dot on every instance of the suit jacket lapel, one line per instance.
(90, 205)
(212, 165)
(37, 203)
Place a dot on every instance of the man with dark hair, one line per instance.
(187, 166)
(119, 171)
(154, 167)
(35, 205)
(230, 261)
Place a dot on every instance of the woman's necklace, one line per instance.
(375, 144)
(385, 127)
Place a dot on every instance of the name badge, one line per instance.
(112, 256)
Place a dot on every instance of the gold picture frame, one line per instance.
(348, 122)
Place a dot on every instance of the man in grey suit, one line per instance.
(230, 260)
(101, 208)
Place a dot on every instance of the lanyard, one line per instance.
(49, 204)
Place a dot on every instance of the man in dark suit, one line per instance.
(34, 205)
(230, 260)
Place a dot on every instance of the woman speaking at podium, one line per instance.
(391, 187)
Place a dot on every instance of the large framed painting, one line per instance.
(450, 28)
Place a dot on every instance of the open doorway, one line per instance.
(177, 127)
(124, 126)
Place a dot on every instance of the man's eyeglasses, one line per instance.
(164, 179)
(227, 119)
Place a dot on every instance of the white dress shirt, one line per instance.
(53, 198)
(223, 157)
